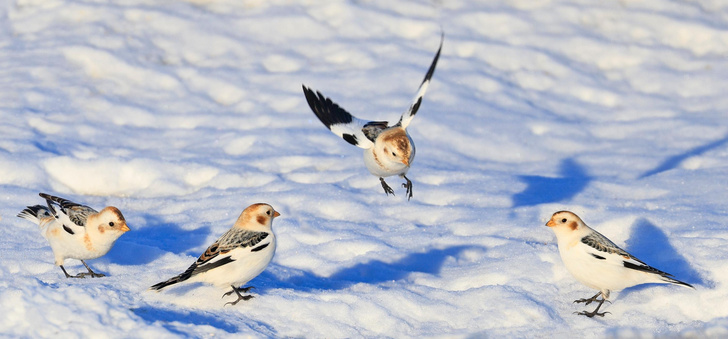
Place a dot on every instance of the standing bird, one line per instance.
(76, 231)
(238, 256)
(598, 263)
(388, 150)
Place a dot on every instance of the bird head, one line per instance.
(256, 216)
(109, 219)
(563, 222)
(395, 145)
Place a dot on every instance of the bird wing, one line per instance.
(214, 256)
(76, 212)
(600, 247)
(408, 115)
(355, 131)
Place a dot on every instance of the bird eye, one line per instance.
(111, 223)
(563, 220)
(267, 212)
(394, 154)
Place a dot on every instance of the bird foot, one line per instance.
(388, 190)
(408, 186)
(588, 301)
(591, 314)
(89, 274)
(237, 291)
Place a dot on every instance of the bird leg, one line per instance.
(408, 186)
(589, 301)
(386, 187)
(237, 291)
(83, 275)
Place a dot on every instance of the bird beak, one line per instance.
(405, 161)
(125, 228)
(276, 214)
(551, 223)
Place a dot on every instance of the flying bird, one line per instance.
(237, 257)
(388, 149)
(598, 263)
(75, 231)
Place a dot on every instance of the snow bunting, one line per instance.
(76, 231)
(388, 150)
(237, 256)
(598, 263)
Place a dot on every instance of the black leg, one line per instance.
(66, 273)
(596, 310)
(237, 291)
(590, 300)
(408, 186)
(388, 190)
(90, 272)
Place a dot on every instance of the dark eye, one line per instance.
(563, 220)
(267, 212)
(111, 223)
(394, 154)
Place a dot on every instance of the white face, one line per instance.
(564, 219)
(261, 213)
(396, 146)
(110, 219)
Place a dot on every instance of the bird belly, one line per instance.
(380, 167)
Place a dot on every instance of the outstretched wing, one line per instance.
(76, 212)
(408, 115)
(355, 131)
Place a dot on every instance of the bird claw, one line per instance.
(408, 186)
(387, 190)
(237, 291)
(592, 314)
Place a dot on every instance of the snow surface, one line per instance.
(183, 113)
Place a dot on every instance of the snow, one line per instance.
(183, 113)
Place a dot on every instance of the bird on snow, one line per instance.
(237, 257)
(388, 149)
(75, 231)
(598, 263)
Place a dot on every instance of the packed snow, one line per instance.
(182, 113)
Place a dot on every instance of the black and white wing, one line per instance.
(217, 254)
(355, 131)
(408, 115)
(76, 212)
(601, 248)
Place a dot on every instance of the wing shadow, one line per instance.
(650, 244)
(541, 190)
(143, 245)
(168, 318)
(372, 272)
(674, 161)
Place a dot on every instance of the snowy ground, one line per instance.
(183, 113)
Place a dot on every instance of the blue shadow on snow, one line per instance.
(372, 272)
(167, 318)
(674, 161)
(143, 245)
(541, 190)
(650, 244)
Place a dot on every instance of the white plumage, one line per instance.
(598, 263)
(238, 256)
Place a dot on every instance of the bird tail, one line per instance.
(35, 213)
(676, 282)
(180, 278)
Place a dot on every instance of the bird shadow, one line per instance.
(371, 272)
(650, 244)
(144, 245)
(171, 320)
(675, 160)
(541, 190)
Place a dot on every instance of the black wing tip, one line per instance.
(30, 211)
(328, 112)
(431, 70)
